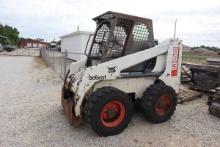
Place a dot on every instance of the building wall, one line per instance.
(75, 45)
(30, 43)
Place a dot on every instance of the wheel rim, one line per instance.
(163, 105)
(112, 114)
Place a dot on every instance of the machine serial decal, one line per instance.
(175, 59)
(96, 77)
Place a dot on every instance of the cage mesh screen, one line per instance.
(138, 40)
(119, 38)
(100, 41)
(126, 36)
(117, 42)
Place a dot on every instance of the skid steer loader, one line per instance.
(123, 66)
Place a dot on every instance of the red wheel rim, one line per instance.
(163, 105)
(112, 114)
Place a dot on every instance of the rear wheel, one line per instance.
(109, 111)
(159, 103)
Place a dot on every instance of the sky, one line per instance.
(198, 21)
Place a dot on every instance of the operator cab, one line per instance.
(118, 35)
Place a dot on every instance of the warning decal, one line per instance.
(175, 59)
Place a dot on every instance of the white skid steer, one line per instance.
(124, 66)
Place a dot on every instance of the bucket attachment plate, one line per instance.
(68, 106)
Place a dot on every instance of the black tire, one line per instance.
(94, 108)
(152, 99)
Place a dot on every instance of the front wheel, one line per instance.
(159, 103)
(109, 111)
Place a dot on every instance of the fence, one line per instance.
(58, 61)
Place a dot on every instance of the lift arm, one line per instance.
(136, 58)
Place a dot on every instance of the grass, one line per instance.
(188, 56)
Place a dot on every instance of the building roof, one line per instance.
(76, 33)
(3, 37)
(111, 14)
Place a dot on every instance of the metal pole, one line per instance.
(174, 36)
(65, 62)
(40, 52)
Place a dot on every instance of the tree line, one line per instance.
(212, 48)
(11, 33)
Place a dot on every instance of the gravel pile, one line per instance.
(31, 115)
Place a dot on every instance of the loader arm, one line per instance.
(130, 60)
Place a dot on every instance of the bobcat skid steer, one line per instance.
(123, 66)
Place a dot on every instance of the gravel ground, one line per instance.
(31, 115)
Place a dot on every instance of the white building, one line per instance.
(75, 44)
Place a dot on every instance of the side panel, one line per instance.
(76, 67)
(131, 85)
(172, 73)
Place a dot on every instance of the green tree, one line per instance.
(11, 33)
